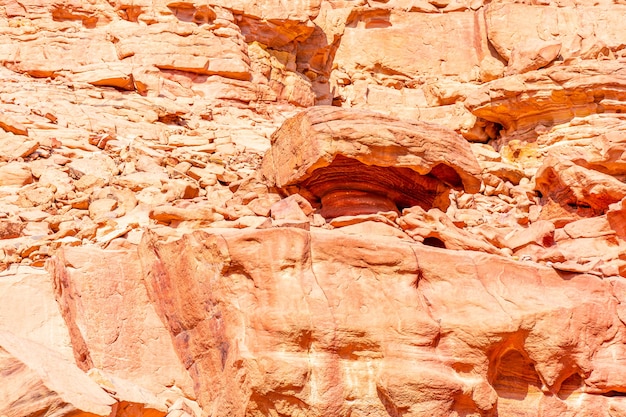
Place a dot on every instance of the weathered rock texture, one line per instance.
(312, 208)
(355, 162)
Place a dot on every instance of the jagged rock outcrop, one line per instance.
(396, 329)
(38, 381)
(320, 207)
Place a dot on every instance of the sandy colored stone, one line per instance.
(491, 68)
(29, 310)
(137, 181)
(540, 233)
(15, 173)
(418, 388)
(88, 181)
(36, 196)
(204, 277)
(43, 382)
(384, 161)
(102, 208)
(532, 55)
(112, 325)
(577, 189)
(168, 214)
(290, 209)
(10, 125)
(434, 228)
(12, 149)
(509, 25)
(551, 95)
(411, 44)
(98, 165)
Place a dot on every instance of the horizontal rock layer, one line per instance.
(324, 207)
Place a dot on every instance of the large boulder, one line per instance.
(359, 162)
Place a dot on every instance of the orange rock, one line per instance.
(355, 162)
(446, 279)
(512, 24)
(411, 44)
(10, 125)
(578, 190)
(461, 361)
(110, 317)
(43, 382)
(532, 55)
(552, 95)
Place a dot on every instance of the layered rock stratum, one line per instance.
(340, 208)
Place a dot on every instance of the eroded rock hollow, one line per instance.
(346, 208)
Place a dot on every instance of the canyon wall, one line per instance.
(312, 208)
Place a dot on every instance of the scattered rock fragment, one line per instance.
(10, 229)
(15, 173)
(10, 125)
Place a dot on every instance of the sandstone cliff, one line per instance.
(312, 208)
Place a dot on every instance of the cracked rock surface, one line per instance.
(317, 208)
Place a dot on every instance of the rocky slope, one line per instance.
(312, 208)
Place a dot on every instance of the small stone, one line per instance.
(88, 181)
(35, 197)
(491, 68)
(98, 165)
(10, 229)
(11, 125)
(102, 208)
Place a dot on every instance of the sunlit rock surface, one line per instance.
(312, 208)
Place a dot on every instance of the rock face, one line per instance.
(355, 162)
(339, 328)
(312, 208)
